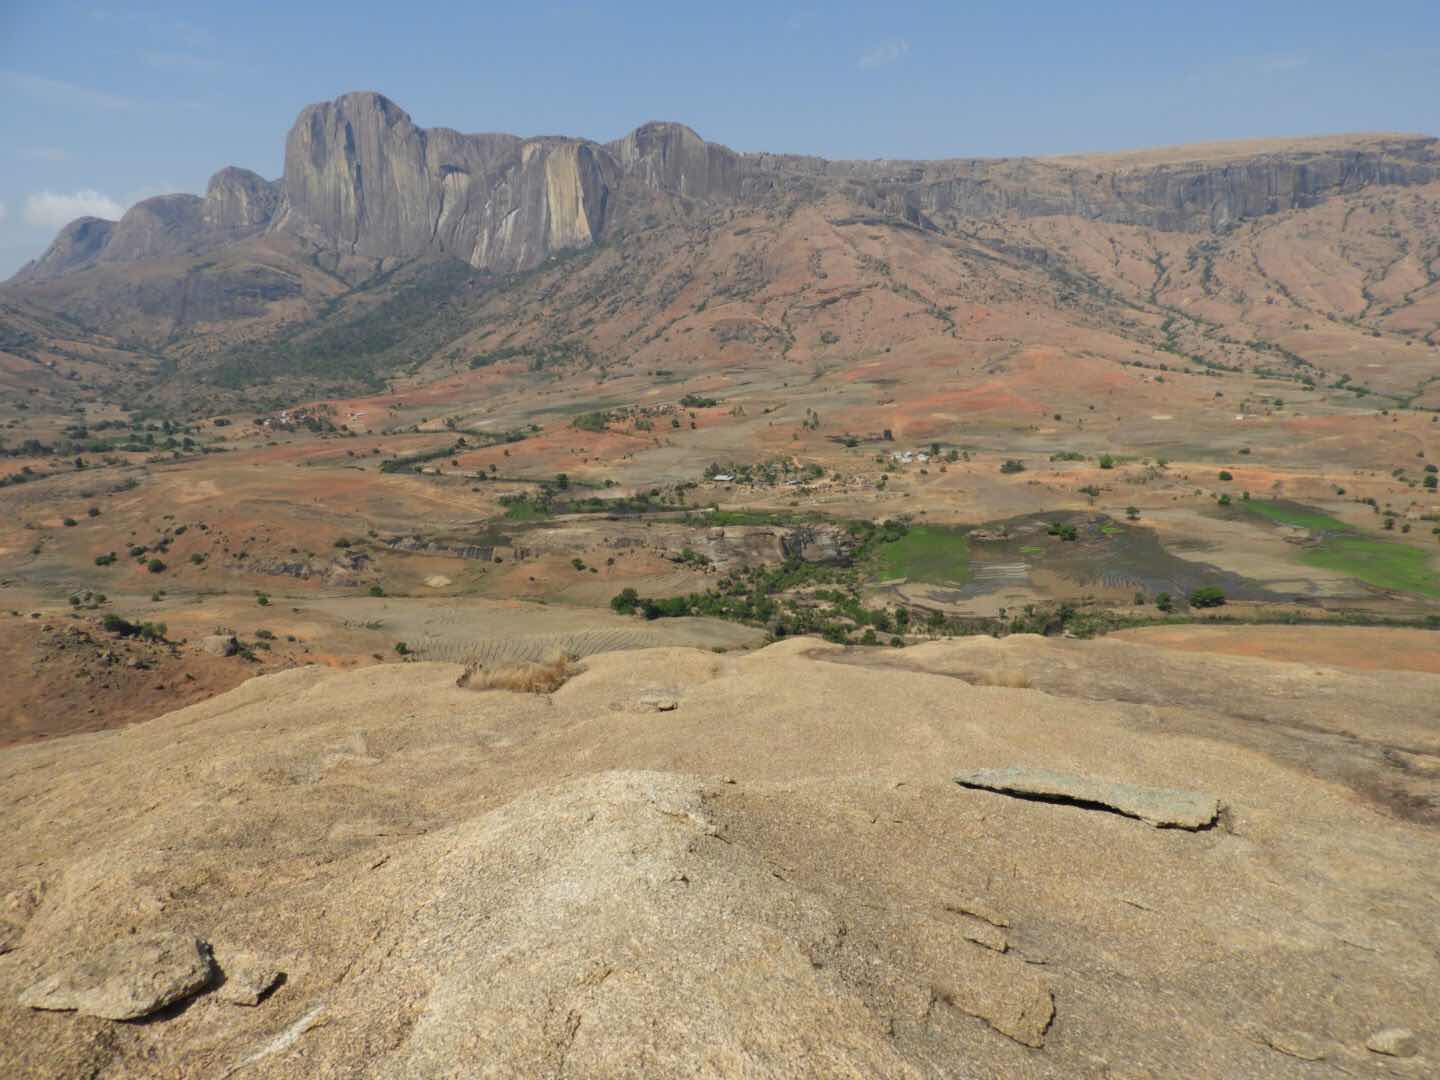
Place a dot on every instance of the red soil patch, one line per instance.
(60, 681)
(1356, 648)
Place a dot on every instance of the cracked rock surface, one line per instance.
(782, 879)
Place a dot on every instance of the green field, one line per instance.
(525, 511)
(1382, 563)
(1386, 564)
(925, 553)
(1298, 516)
(753, 517)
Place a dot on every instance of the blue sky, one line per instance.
(102, 104)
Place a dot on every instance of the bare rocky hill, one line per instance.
(686, 864)
(363, 181)
(390, 250)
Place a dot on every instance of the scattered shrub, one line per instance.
(590, 421)
(525, 678)
(1008, 677)
(1208, 596)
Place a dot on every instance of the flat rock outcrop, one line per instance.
(127, 979)
(1161, 807)
(779, 877)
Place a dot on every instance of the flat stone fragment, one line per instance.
(982, 933)
(247, 977)
(128, 979)
(1012, 1000)
(1161, 807)
(1393, 1042)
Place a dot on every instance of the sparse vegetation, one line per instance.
(1208, 596)
(522, 678)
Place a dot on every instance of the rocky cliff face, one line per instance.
(674, 159)
(76, 246)
(1195, 196)
(237, 203)
(164, 225)
(362, 179)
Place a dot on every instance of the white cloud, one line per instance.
(43, 153)
(3, 211)
(52, 209)
(887, 52)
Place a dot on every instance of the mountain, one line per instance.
(363, 180)
(390, 249)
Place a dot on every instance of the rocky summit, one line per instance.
(380, 873)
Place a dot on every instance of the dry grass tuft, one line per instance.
(522, 678)
(1009, 677)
